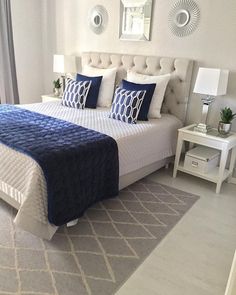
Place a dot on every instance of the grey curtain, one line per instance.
(8, 80)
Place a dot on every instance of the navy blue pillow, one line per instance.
(150, 88)
(92, 98)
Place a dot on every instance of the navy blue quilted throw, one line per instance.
(80, 165)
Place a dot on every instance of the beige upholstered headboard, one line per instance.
(177, 93)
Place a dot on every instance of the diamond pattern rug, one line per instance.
(98, 254)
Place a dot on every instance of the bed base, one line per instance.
(132, 177)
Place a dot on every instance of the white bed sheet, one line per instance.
(21, 178)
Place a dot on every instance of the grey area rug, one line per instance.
(100, 253)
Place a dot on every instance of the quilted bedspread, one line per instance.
(80, 165)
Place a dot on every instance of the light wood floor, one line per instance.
(195, 258)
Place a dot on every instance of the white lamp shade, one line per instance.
(64, 64)
(211, 81)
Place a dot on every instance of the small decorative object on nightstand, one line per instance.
(210, 82)
(57, 87)
(212, 139)
(50, 97)
(227, 117)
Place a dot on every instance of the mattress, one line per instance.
(22, 179)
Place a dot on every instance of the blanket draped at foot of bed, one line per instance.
(80, 165)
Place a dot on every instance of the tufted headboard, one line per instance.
(177, 93)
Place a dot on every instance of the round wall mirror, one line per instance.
(98, 19)
(182, 18)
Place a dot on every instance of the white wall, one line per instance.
(28, 42)
(42, 28)
(61, 33)
(212, 45)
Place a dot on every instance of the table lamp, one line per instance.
(212, 83)
(64, 64)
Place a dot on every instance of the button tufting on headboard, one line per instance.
(177, 93)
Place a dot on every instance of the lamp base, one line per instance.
(203, 128)
(63, 77)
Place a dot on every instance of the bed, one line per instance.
(141, 152)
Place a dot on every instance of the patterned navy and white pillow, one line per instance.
(126, 105)
(76, 93)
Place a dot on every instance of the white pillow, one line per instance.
(158, 95)
(107, 86)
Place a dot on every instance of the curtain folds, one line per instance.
(8, 80)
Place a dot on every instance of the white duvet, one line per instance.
(22, 180)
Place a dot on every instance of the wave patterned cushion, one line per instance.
(143, 114)
(126, 105)
(159, 93)
(76, 93)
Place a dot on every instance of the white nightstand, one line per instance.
(214, 140)
(50, 97)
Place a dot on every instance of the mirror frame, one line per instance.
(100, 12)
(191, 9)
(145, 34)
